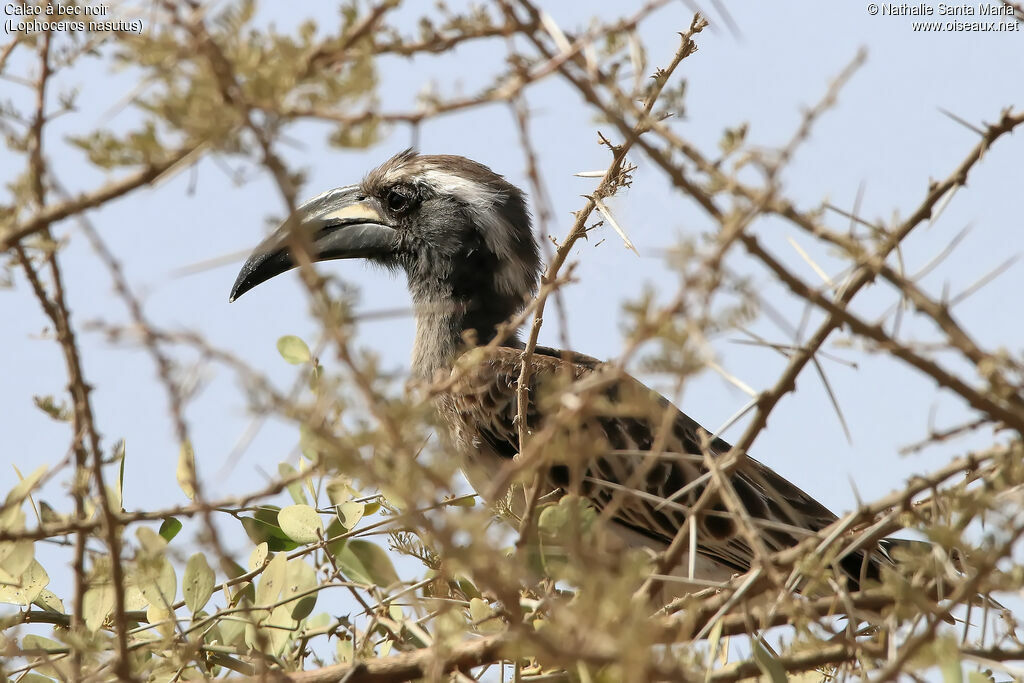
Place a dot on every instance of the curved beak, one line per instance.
(338, 224)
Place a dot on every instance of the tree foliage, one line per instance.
(362, 560)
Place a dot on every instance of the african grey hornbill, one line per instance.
(463, 236)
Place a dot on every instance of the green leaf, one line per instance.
(263, 528)
(157, 580)
(12, 517)
(572, 514)
(187, 470)
(231, 631)
(49, 601)
(198, 582)
(257, 530)
(301, 579)
(714, 638)
(47, 515)
(267, 513)
(244, 594)
(949, 663)
(25, 486)
(169, 528)
(251, 640)
(365, 562)
(351, 512)
(467, 587)
(16, 556)
(162, 618)
(280, 627)
(97, 604)
(151, 541)
(113, 498)
(344, 650)
(484, 617)
(34, 642)
(571, 517)
(272, 580)
(133, 597)
(34, 678)
(301, 523)
(258, 556)
(768, 664)
(334, 530)
(232, 569)
(318, 623)
(293, 349)
(295, 488)
(339, 490)
(56, 666)
(24, 589)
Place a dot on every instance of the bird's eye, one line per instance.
(398, 201)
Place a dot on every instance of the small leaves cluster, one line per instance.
(363, 552)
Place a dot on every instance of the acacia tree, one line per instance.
(128, 596)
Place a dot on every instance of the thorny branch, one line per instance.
(536, 622)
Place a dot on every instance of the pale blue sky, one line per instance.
(887, 135)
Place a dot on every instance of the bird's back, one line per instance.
(638, 459)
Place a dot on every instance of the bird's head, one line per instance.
(460, 232)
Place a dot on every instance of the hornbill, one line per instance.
(463, 236)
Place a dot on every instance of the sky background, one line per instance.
(886, 137)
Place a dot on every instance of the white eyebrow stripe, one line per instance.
(477, 196)
(481, 200)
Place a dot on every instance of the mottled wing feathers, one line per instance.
(610, 450)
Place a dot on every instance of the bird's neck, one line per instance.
(446, 326)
